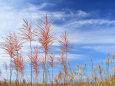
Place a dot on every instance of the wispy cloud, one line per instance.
(101, 48)
(76, 23)
(79, 23)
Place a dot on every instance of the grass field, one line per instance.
(101, 75)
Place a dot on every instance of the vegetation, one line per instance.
(42, 56)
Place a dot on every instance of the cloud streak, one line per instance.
(76, 23)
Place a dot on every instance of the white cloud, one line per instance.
(94, 37)
(32, 7)
(79, 23)
(11, 20)
(82, 13)
(101, 48)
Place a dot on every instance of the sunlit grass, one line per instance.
(67, 75)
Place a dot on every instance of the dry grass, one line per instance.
(67, 75)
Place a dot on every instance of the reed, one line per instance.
(42, 58)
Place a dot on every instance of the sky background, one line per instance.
(90, 24)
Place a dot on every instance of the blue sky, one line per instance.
(90, 24)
